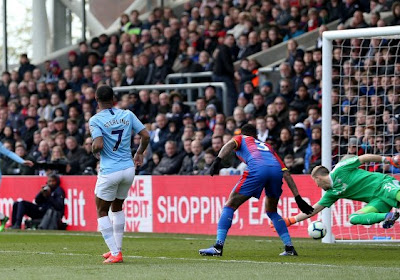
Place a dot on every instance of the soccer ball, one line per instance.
(317, 230)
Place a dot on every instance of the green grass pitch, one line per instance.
(68, 255)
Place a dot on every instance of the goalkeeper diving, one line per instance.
(381, 192)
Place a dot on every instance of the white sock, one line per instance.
(2, 216)
(118, 226)
(106, 230)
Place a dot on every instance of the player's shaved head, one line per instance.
(105, 94)
(319, 171)
(249, 130)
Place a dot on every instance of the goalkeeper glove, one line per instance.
(394, 161)
(214, 169)
(304, 206)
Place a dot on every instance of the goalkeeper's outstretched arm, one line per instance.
(377, 158)
(302, 216)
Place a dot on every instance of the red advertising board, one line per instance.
(182, 204)
(193, 205)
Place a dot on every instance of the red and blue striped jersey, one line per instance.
(255, 153)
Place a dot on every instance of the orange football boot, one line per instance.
(114, 259)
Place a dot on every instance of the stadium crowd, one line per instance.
(44, 114)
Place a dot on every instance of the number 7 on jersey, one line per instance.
(119, 132)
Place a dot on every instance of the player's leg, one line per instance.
(367, 215)
(271, 205)
(374, 212)
(273, 191)
(225, 221)
(224, 224)
(126, 180)
(105, 192)
(118, 221)
(105, 225)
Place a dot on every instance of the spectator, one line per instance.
(336, 9)
(259, 105)
(152, 164)
(187, 164)
(315, 158)
(209, 158)
(262, 130)
(272, 126)
(396, 13)
(211, 98)
(58, 162)
(24, 66)
(74, 155)
(293, 31)
(223, 71)
(51, 196)
(285, 143)
(15, 168)
(161, 70)
(282, 111)
(159, 137)
(171, 162)
(351, 6)
(298, 68)
(285, 90)
(290, 164)
(129, 78)
(253, 46)
(87, 161)
(302, 100)
(28, 130)
(74, 131)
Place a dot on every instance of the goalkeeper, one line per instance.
(346, 180)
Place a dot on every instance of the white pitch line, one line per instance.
(91, 234)
(99, 235)
(210, 260)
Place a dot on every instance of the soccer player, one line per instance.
(18, 159)
(265, 171)
(111, 131)
(346, 180)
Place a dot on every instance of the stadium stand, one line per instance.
(44, 114)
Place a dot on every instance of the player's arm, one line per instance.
(97, 145)
(304, 206)
(371, 158)
(377, 158)
(97, 137)
(226, 150)
(144, 142)
(14, 156)
(302, 216)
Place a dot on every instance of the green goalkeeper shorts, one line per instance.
(379, 205)
(387, 194)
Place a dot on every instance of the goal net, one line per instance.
(361, 114)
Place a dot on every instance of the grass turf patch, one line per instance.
(64, 255)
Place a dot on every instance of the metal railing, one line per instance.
(199, 86)
(188, 77)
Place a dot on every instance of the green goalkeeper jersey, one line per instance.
(348, 181)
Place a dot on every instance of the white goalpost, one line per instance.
(354, 90)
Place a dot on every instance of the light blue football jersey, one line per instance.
(116, 126)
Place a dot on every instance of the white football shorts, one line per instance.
(114, 185)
